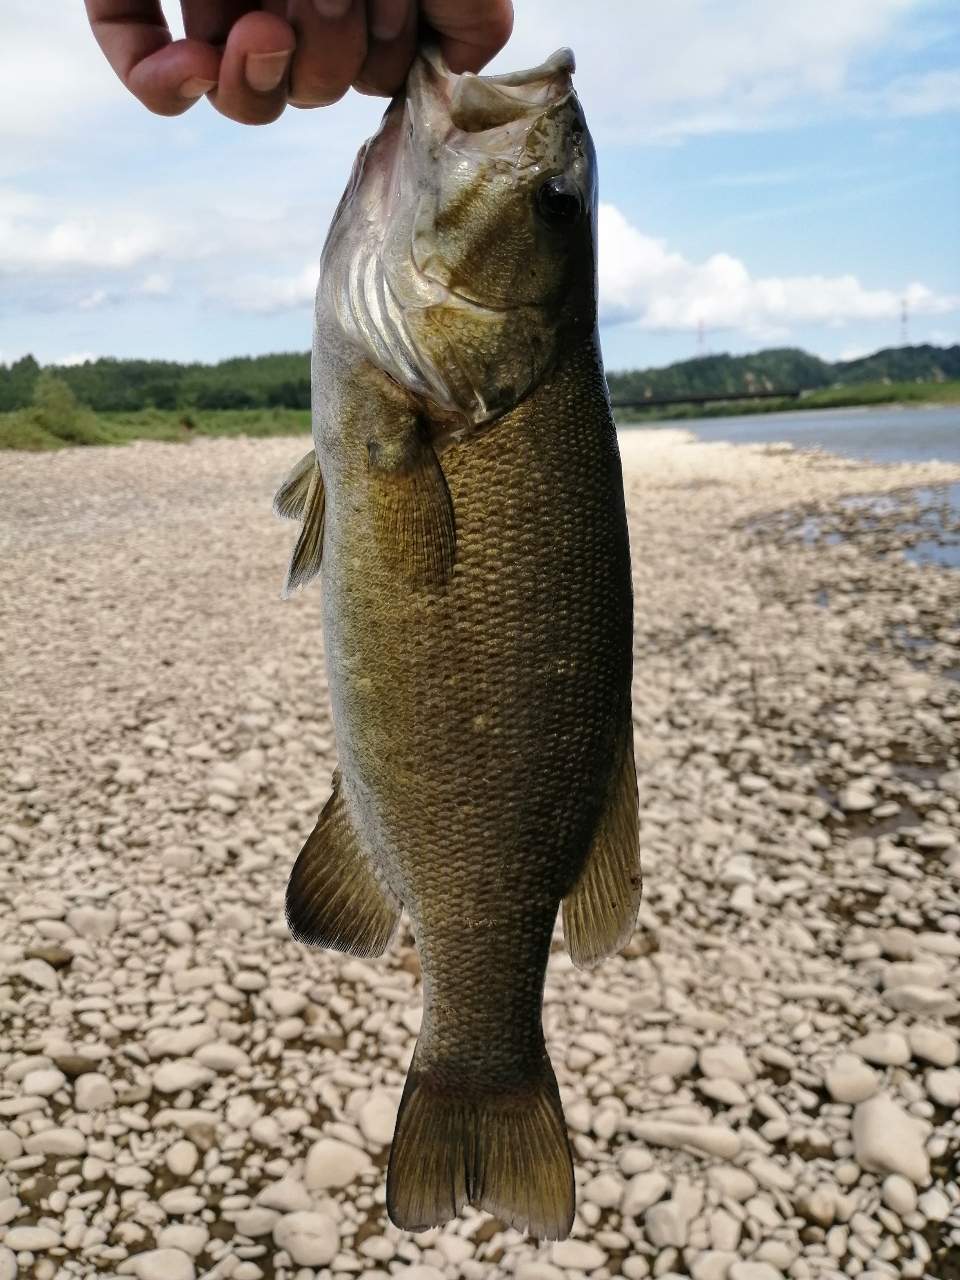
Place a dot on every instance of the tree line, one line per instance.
(283, 381)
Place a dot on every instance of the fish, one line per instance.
(463, 504)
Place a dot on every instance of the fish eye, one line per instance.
(559, 201)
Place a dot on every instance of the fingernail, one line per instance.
(381, 30)
(196, 88)
(332, 8)
(264, 71)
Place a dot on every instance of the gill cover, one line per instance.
(465, 242)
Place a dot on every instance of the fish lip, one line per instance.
(476, 104)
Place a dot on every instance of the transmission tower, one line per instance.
(904, 325)
(701, 341)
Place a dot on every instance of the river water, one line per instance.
(876, 435)
(880, 435)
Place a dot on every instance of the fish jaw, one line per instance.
(441, 265)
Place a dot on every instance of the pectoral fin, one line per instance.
(334, 898)
(600, 912)
(412, 509)
(292, 495)
(302, 495)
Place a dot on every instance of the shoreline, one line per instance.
(777, 1042)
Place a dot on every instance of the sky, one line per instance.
(772, 173)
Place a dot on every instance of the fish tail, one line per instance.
(506, 1153)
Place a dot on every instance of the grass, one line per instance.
(56, 420)
(874, 393)
(32, 429)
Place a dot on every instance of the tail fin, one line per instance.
(506, 1153)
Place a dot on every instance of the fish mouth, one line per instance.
(476, 104)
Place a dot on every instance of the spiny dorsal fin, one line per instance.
(412, 509)
(507, 1154)
(292, 494)
(307, 554)
(600, 912)
(333, 897)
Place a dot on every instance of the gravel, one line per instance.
(763, 1084)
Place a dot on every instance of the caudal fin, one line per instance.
(505, 1153)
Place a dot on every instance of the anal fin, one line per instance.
(600, 912)
(412, 509)
(334, 899)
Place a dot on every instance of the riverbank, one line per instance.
(871, 395)
(27, 429)
(766, 1075)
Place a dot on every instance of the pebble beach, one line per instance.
(763, 1084)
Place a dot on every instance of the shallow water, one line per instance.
(875, 435)
(879, 435)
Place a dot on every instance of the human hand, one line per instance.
(251, 60)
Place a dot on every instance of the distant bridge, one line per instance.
(715, 397)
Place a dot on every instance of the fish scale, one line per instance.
(477, 619)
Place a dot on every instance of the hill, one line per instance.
(784, 369)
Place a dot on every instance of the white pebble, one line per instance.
(185, 1073)
(944, 1086)
(642, 1191)
(849, 1079)
(931, 1045)
(191, 1238)
(887, 1140)
(726, 1061)
(311, 1239)
(899, 1194)
(160, 1264)
(44, 1083)
(93, 1092)
(331, 1163)
(577, 1254)
(377, 1117)
(182, 1158)
(885, 1048)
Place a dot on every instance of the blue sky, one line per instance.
(777, 173)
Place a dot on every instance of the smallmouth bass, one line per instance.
(465, 496)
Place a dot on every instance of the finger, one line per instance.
(167, 76)
(255, 68)
(386, 18)
(213, 20)
(329, 53)
(388, 61)
(470, 34)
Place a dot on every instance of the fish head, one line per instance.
(464, 250)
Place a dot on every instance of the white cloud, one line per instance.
(270, 293)
(156, 285)
(51, 71)
(94, 301)
(36, 240)
(74, 358)
(648, 69)
(644, 283)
